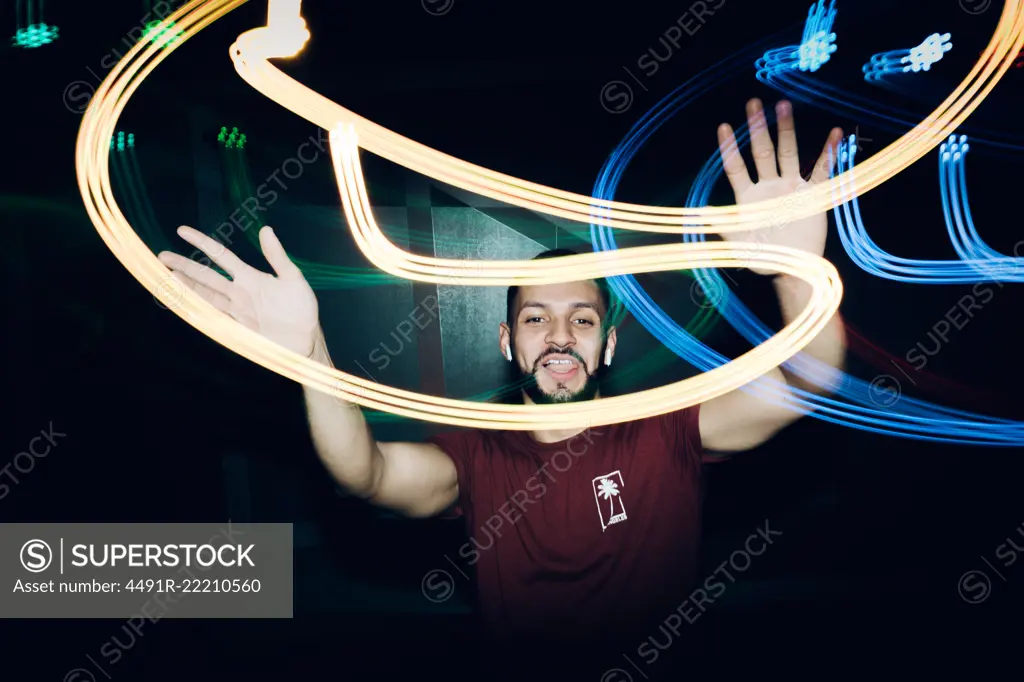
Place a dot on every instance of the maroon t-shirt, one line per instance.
(594, 535)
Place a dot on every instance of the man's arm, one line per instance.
(415, 479)
(742, 419)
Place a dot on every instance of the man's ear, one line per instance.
(504, 340)
(612, 340)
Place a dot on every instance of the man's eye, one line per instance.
(586, 322)
(531, 319)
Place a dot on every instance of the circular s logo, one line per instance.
(172, 290)
(616, 97)
(974, 587)
(77, 96)
(79, 675)
(884, 390)
(36, 556)
(438, 586)
(710, 296)
(437, 8)
(975, 6)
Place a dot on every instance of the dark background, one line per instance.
(164, 424)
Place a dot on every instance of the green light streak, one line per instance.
(31, 31)
(129, 178)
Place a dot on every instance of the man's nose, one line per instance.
(561, 335)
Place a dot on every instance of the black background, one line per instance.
(877, 530)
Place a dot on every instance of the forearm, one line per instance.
(341, 436)
(828, 347)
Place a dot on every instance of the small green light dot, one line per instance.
(232, 140)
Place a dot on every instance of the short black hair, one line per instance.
(602, 287)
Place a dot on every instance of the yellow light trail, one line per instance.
(253, 50)
(286, 34)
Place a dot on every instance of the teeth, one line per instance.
(558, 362)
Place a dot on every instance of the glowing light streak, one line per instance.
(94, 182)
(253, 48)
(31, 31)
(818, 42)
(251, 54)
(916, 59)
(856, 403)
(927, 53)
(780, 69)
(978, 263)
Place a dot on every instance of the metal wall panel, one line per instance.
(470, 315)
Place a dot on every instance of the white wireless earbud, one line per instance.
(508, 353)
(607, 356)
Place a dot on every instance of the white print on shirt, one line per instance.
(608, 495)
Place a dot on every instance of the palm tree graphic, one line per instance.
(609, 489)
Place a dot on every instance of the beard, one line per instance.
(561, 394)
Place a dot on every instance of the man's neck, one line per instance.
(554, 435)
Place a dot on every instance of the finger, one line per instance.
(761, 141)
(275, 254)
(733, 163)
(216, 251)
(789, 156)
(219, 300)
(829, 155)
(195, 271)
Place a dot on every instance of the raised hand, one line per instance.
(776, 177)
(281, 307)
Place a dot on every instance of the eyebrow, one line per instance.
(574, 306)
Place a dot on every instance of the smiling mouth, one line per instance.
(561, 367)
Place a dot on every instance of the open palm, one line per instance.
(778, 175)
(281, 307)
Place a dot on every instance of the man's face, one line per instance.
(557, 342)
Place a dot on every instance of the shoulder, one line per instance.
(683, 423)
(474, 452)
(464, 444)
(681, 429)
